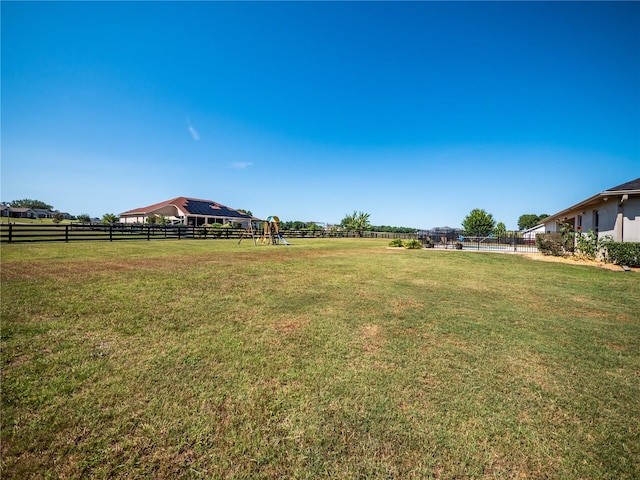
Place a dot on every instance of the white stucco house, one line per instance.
(614, 212)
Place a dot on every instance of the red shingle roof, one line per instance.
(191, 206)
(179, 202)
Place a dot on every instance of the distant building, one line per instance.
(17, 212)
(529, 234)
(42, 213)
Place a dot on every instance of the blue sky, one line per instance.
(413, 112)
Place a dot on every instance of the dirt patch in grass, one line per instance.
(372, 340)
(290, 325)
(570, 260)
(575, 261)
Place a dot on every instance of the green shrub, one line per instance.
(550, 244)
(588, 245)
(624, 253)
(396, 242)
(413, 244)
(568, 237)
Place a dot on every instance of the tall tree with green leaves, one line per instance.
(110, 218)
(84, 218)
(357, 222)
(478, 223)
(500, 230)
(29, 203)
(530, 220)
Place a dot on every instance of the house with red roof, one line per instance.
(188, 211)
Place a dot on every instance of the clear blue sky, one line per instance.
(413, 112)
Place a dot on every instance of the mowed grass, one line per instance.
(324, 359)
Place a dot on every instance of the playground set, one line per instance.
(271, 235)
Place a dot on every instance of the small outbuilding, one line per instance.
(529, 235)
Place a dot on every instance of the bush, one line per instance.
(590, 246)
(396, 242)
(623, 253)
(413, 244)
(550, 244)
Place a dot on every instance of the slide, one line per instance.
(282, 240)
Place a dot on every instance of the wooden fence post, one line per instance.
(66, 233)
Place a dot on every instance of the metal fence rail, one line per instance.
(510, 241)
(65, 233)
(14, 233)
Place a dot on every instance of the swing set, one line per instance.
(271, 235)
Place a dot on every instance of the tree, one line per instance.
(530, 220)
(478, 223)
(357, 221)
(57, 217)
(248, 212)
(110, 218)
(500, 230)
(28, 203)
(313, 227)
(84, 218)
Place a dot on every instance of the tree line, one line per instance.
(477, 223)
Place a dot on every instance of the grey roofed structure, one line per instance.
(614, 212)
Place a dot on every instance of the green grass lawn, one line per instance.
(324, 359)
(33, 221)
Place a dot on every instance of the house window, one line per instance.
(579, 223)
(596, 220)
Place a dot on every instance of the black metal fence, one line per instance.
(508, 242)
(14, 232)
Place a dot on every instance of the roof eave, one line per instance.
(607, 193)
(591, 200)
(564, 212)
